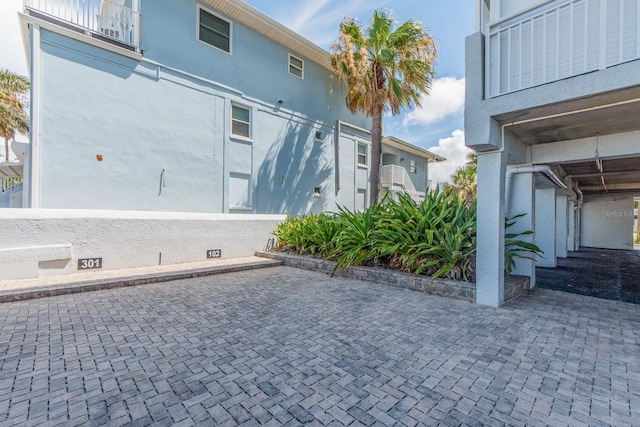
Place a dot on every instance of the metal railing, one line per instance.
(560, 40)
(110, 19)
(9, 183)
(397, 176)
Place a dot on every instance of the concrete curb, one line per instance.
(440, 287)
(119, 282)
(463, 291)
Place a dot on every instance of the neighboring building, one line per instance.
(194, 106)
(405, 168)
(552, 107)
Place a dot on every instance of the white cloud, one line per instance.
(453, 149)
(446, 98)
(12, 55)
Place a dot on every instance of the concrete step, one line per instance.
(23, 289)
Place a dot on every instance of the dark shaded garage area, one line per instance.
(602, 273)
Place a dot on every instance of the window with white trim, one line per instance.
(362, 154)
(296, 66)
(214, 30)
(240, 121)
(413, 167)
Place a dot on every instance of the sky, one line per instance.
(437, 126)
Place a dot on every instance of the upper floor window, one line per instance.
(296, 66)
(362, 154)
(413, 167)
(240, 121)
(214, 30)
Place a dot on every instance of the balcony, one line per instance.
(396, 179)
(114, 21)
(559, 39)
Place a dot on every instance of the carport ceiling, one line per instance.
(615, 112)
(615, 176)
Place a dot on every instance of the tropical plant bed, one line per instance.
(428, 245)
(514, 286)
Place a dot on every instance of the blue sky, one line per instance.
(437, 126)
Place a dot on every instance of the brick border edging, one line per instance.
(89, 286)
(453, 289)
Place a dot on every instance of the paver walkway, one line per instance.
(283, 346)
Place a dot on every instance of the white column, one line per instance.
(545, 201)
(32, 195)
(561, 226)
(490, 244)
(522, 202)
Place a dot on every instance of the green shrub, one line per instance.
(436, 237)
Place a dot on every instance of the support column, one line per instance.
(545, 201)
(490, 242)
(522, 202)
(561, 226)
(31, 195)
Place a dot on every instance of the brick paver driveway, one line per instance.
(283, 346)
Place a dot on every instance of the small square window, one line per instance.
(413, 167)
(362, 154)
(319, 135)
(296, 66)
(214, 30)
(317, 191)
(240, 121)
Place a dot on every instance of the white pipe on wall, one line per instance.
(513, 170)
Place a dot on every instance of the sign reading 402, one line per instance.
(89, 263)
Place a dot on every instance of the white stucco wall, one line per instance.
(123, 239)
(607, 222)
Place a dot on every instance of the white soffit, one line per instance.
(263, 24)
(10, 170)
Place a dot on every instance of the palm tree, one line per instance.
(13, 117)
(385, 69)
(464, 179)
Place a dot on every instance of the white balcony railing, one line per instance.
(110, 19)
(560, 39)
(9, 183)
(393, 176)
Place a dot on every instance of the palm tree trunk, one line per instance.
(376, 153)
(6, 150)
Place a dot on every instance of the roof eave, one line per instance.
(272, 29)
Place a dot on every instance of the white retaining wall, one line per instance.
(37, 242)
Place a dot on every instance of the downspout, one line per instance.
(578, 218)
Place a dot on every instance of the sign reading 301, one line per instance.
(89, 263)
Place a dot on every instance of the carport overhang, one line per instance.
(595, 140)
(591, 142)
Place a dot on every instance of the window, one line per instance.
(296, 66)
(214, 31)
(362, 154)
(413, 168)
(317, 191)
(240, 121)
(319, 135)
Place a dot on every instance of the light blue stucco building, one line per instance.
(193, 106)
